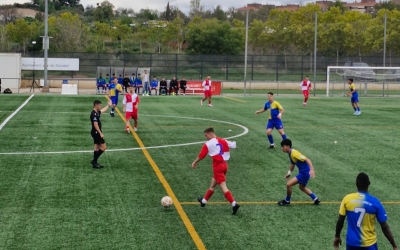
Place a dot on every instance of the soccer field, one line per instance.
(52, 198)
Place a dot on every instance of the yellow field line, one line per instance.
(189, 226)
(274, 202)
(234, 99)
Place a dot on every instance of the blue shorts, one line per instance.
(303, 178)
(354, 97)
(373, 247)
(274, 124)
(114, 100)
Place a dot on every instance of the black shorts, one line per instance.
(183, 87)
(97, 139)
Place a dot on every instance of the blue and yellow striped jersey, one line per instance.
(274, 109)
(115, 89)
(361, 210)
(299, 160)
(352, 87)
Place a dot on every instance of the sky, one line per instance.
(183, 5)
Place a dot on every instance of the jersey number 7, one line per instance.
(362, 214)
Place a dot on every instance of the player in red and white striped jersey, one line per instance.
(305, 86)
(207, 91)
(218, 150)
(131, 102)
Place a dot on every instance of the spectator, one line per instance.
(101, 83)
(163, 86)
(173, 85)
(182, 85)
(132, 80)
(138, 84)
(154, 84)
(107, 79)
(126, 83)
(121, 80)
(146, 82)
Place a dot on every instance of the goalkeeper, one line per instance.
(354, 97)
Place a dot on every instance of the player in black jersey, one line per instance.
(97, 134)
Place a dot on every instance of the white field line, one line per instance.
(246, 130)
(15, 112)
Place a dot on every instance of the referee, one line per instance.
(97, 134)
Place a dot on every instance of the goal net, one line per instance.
(369, 81)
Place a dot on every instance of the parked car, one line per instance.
(366, 74)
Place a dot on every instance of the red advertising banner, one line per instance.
(194, 87)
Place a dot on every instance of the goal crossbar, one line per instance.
(359, 71)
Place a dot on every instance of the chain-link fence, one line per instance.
(267, 68)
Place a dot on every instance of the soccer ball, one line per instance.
(166, 201)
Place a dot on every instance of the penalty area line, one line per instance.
(233, 99)
(275, 202)
(185, 219)
(15, 112)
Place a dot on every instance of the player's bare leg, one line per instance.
(229, 197)
(135, 123)
(282, 132)
(270, 138)
(289, 189)
(208, 194)
(309, 193)
(202, 100)
(209, 101)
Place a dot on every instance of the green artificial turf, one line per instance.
(57, 201)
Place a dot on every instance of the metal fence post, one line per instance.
(151, 60)
(277, 70)
(226, 68)
(176, 65)
(252, 67)
(201, 67)
(302, 68)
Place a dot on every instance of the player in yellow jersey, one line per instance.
(362, 210)
(354, 97)
(114, 88)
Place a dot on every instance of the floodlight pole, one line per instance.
(384, 43)
(245, 52)
(315, 50)
(46, 39)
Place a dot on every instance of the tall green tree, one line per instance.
(174, 33)
(104, 12)
(214, 37)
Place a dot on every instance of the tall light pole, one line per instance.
(245, 51)
(46, 41)
(33, 69)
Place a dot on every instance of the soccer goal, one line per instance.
(369, 81)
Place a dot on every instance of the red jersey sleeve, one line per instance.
(203, 152)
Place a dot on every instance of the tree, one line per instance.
(147, 14)
(219, 14)
(196, 9)
(233, 14)
(258, 36)
(68, 33)
(174, 33)
(168, 13)
(22, 32)
(104, 12)
(331, 35)
(338, 4)
(213, 37)
(8, 14)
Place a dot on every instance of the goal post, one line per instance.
(369, 80)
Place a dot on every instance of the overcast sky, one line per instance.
(182, 4)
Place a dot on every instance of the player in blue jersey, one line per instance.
(275, 111)
(115, 88)
(306, 170)
(101, 83)
(361, 210)
(354, 97)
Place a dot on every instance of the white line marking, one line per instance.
(246, 130)
(15, 112)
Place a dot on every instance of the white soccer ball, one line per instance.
(166, 201)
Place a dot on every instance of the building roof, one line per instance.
(248, 8)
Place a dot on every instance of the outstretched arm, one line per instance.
(103, 110)
(260, 111)
(388, 234)
(339, 226)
